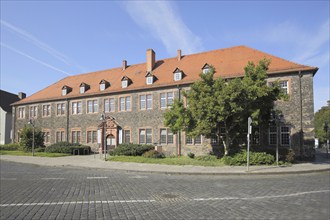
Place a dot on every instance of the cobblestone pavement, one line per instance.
(37, 192)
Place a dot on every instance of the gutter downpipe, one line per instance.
(301, 117)
(179, 132)
(67, 119)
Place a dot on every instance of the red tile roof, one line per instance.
(229, 63)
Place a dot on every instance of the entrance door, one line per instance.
(111, 142)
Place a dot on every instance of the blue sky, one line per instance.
(45, 41)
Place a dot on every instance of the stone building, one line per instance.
(133, 99)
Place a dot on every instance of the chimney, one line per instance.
(124, 65)
(21, 95)
(151, 56)
(179, 55)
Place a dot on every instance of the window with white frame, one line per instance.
(109, 105)
(150, 80)
(124, 83)
(285, 135)
(166, 136)
(166, 99)
(145, 136)
(145, 102)
(125, 103)
(284, 86)
(21, 112)
(272, 135)
(177, 76)
(82, 89)
(76, 108)
(33, 111)
(102, 86)
(46, 110)
(92, 106)
(60, 109)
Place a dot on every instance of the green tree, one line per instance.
(26, 138)
(218, 104)
(322, 116)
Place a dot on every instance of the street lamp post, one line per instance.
(278, 119)
(102, 118)
(31, 122)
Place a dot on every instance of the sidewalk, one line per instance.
(94, 161)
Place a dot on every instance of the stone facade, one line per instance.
(60, 120)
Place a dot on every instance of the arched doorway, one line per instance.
(111, 142)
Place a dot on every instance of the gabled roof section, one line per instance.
(228, 63)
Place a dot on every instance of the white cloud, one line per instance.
(34, 59)
(45, 47)
(162, 20)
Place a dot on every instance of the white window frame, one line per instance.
(125, 103)
(177, 76)
(124, 83)
(149, 80)
(33, 111)
(21, 112)
(168, 136)
(75, 106)
(48, 110)
(147, 132)
(60, 111)
(109, 105)
(92, 106)
(166, 100)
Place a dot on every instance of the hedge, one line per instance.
(131, 149)
(10, 147)
(256, 158)
(67, 148)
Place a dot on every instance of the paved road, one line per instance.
(31, 191)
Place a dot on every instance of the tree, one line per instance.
(321, 117)
(26, 138)
(216, 105)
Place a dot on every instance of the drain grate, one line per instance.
(169, 197)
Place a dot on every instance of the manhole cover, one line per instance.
(169, 197)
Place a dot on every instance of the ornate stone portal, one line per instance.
(109, 133)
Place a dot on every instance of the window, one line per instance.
(124, 83)
(109, 105)
(91, 137)
(60, 109)
(150, 80)
(166, 136)
(206, 68)
(33, 111)
(145, 136)
(125, 103)
(177, 76)
(92, 106)
(273, 135)
(46, 135)
(45, 110)
(285, 135)
(76, 107)
(284, 86)
(194, 141)
(75, 136)
(64, 91)
(145, 102)
(82, 89)
(104, 84)
(21, 112)
(127, 136)
(60, 136)
(166, 99)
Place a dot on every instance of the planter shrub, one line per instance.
(256, 158)
(131, 149)
(68, 148)
(153, 154)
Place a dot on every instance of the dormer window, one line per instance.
(124, 82)
(177, 74)
(104, 84)
(206, 68)
(66, 90)
(83, 88)
(149, 78)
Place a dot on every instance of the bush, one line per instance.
(153, 154)
(67, 148)
(284, 154)
(26, 137)
(256, 158)
(191, 155)
(10, 147)
(290, 156)
(206, 158)
(131, 149)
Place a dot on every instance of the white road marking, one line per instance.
(76, 202)
(53, 178)
(96, 177)
(8, 178)
(261, 197)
